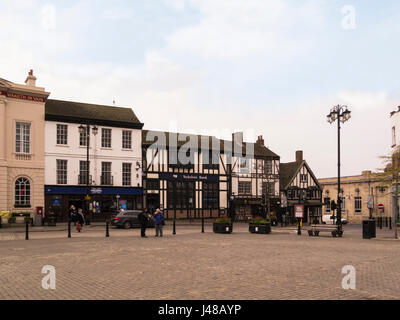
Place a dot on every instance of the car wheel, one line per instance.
(127, 225)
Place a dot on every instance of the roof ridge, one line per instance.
(89, 104)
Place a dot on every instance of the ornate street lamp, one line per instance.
(341, 114)
(85, 130)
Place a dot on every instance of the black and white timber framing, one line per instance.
(211, 189)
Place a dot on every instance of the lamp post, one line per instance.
(85, 130)
(341, 114)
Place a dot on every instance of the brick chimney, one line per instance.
(260, 141)
(31, 79)
(299, 156)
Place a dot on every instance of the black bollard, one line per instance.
(69, 229)
(380, 222)
(174, 225)
(386, 222)
(299, 228)
(390, 223)
(202, 221)
(107, 230)
(26, 230)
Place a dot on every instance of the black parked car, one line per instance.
(129, 219)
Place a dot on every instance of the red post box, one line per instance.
(39, 211)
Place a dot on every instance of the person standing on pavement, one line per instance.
(143, 220)
(159, 221)
(80, 220)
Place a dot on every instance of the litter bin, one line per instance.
(38, 221)
(369, 229)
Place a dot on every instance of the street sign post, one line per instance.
(299, 214)
(299, 211)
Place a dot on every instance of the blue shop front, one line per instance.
(101, 203)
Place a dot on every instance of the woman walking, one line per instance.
(80, 220)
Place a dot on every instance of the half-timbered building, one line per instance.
(191, 176)
(300, 186)
(255, 182)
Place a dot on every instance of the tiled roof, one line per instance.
(287, 172)
(259, 150)
(99, 114)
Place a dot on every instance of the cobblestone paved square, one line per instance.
(192, 265)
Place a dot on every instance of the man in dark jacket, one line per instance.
(143, 220)
(159, 221)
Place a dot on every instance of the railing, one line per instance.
(23, 156)
(82, 179)
(107, 180)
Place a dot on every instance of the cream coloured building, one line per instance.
(22, 130)
(356, 191)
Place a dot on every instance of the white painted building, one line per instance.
(115, 158)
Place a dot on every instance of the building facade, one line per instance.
(113, 177)
(356, 191)
(22, 146)
(255, 182)
(206, 179)
(395, 122)
(300, 186)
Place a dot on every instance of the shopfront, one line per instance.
(188, 196)
(104, 201)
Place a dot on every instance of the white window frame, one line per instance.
(23, 138)
(62, 134)
(244, 188)
(62, 172)
(127, 140)
(358, 204)
(106, 141)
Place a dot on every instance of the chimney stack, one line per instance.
(299, 156)
(31, 79)
(261, 141)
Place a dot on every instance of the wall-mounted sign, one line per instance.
(188, 177)
(22, 96)
(96, 190)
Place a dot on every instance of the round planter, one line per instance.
(260, 228)
(223, 228)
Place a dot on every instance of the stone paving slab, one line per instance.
(192, 265)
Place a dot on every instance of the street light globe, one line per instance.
(82, 129)
(95, 130)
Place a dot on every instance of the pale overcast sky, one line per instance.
(271, 67)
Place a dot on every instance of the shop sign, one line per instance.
(96, 191)
(187, 177)
(299, 211)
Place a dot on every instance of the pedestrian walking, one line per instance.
(144, 220)
(159, 222)
(73, 215)
(80, 220)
